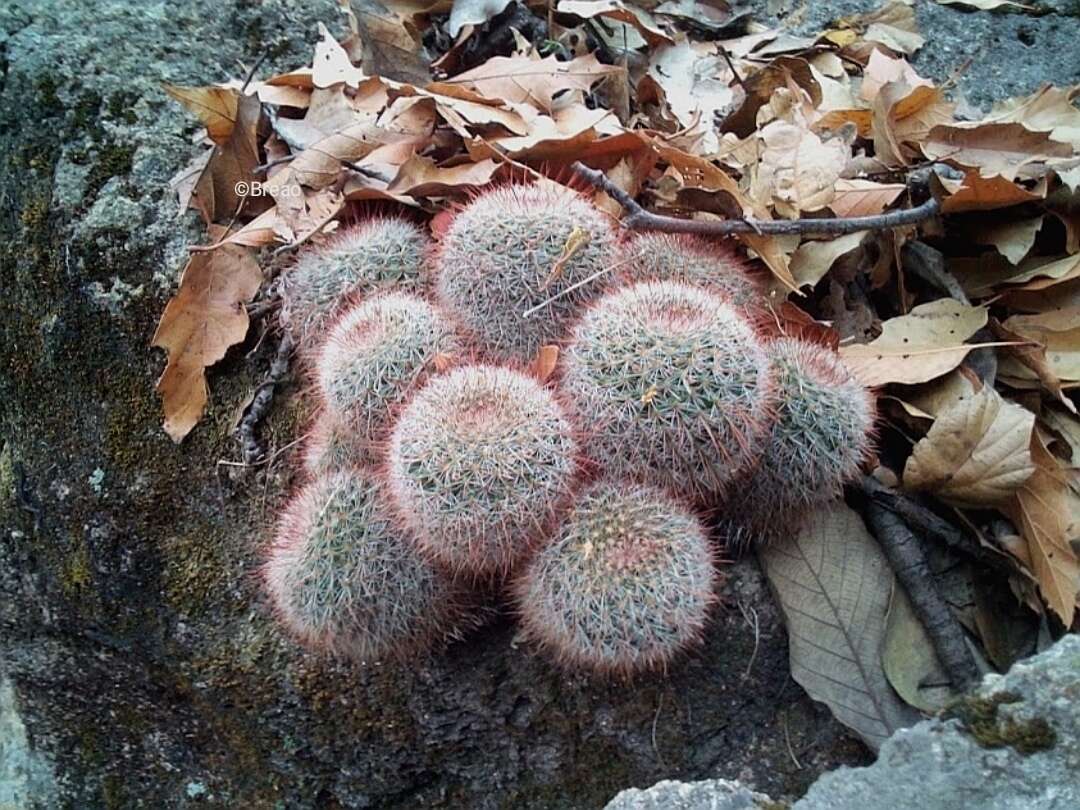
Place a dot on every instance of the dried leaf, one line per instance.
(862, 198)
(883, 69)
(1026, 360)
(1042, 274)
(984, 5)
(992, 148)
(1048, 109)
(1013, 238)
(813, 259)
(798, 171)
(975, 453)
(473, 12)
(1058, 332)
(215, 107)
(203, 319)
(420, 177)
(331, 64)
(232, 164)
(910, 660)
(384, 44)
(543, 365)
(978, 193)
(1041, 511)
(834, 584)
(638, 18)
(919, 346)
(522, 80)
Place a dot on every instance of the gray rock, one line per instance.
(25, 774)
(710, 794)
(1018, 747)
(1014, 744)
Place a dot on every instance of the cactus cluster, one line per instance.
(477, 464)
(818, 440)
(520, 248)
(342, 577)
(441, 461)
(675, 384)
(626, 582)
(378, 253)
(692, 259)
(377, 353)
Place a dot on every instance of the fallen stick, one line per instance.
(250, 448)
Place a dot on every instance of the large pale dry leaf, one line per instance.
(632, 15)
(331, 64)
(834, 584)
(905, 115)
(1058, 332)
(882, 69)
(322, 162)
(694, 81)
(1025, 363)
(1041, 510)
(798, 171)
(522, 80)
(813, 259)
(420, 176)
(215, 107)
(910, 661)
(762, 85)
(1013, 238)
(984, 5)
(978, 193)
(203, 319)
(1049, 109)
(862, 198)
(919, 346)
(975, 453)
(1041, 274)
(383, 43)
(473, 12)
(994, 149)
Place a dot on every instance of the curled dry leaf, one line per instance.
(834, 584)
(1058, 332)
(1013, 238)
(978, 193)
(1025, 361)
(419, 176)
(975, 453)
(473, 12)
(812, 260)
(1041, 510)
(523, 80)
(919, 346)
(993, 149)
(203, 319)
(798, 171)
(215, 107)
(633, 16)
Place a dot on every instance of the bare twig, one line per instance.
(366, 172)
(908, 561)
(249, 445)
(929, 525)
(734, 72)
(637, 218)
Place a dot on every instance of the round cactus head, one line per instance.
(478, 462)
(654, 256)
(376, 253)
(342, 578)
(626, 583)
(820, 438)
(375, 355)
(512, 249)
(331, 446)
(673, 385)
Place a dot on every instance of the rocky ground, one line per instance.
(139, 667)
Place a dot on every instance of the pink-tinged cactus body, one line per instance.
(821, 437)
(512, 249)
(331, 446)
(342, 578)
(478, 463)
(690, 259)
(672, 385)
(626, 583)
(377, 353)
(374, 254)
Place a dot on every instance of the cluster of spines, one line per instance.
(625, 584)
(477, 464)
(819, 439)
(674, 384)
(519, 261)
(342, 577)
(377, 253)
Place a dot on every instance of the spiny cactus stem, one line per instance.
(533, 310)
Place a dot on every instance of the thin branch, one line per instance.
(734, 72)
(908, 561)
(366, 172)
(927, 524)
(637, 218)
(260, 404)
